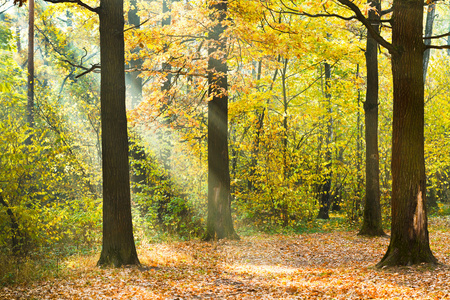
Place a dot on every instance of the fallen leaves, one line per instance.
(336, 265)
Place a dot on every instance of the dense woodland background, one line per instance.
(296, 91)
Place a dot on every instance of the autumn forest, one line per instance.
(224, 149)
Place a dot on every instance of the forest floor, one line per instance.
(333, 265)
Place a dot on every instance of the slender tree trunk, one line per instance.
(448, 41)
(18, 43)
(30, 81)
(219, 222)
(118, 242)
(259, 130)
(164, 135)
(167, 20)
(325, 195)
(409, 242)
(284, 205)
(372, 221)
(135, 81)
(16, 241)
(431, 14)
(359, 177)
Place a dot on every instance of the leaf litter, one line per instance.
(334, 265)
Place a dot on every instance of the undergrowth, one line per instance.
(62, 260)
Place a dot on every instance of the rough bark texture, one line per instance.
(118, 242)
(372, 222)
(409, 242)
(325, 196)
(219, 222)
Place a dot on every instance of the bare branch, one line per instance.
(136, 26)
(87, 70)
(437, 47)
(79, 2)
(293, 11)
(436, 36)
(6, 9)
(359, 15)
(75, 65)
(91, 69)
(178, 72)
(387, 11)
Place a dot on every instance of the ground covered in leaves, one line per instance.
(335, 265)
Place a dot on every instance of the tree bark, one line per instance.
(431, 14)
(118, 242)
(409, 242)
(372, 221)
(134, 82)
(16, 241)
(325, 195)
(30, 81)
(134, 79)
(219, 222)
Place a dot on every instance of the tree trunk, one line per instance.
(325, 195)
(359, 178)
(135, 81)
(409, 242)
(431, 14)
(16, 241)
(30, 81)
(118, 242)
(372, 221)
(219, 222)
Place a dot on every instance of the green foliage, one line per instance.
(47, 202)
(159, 205)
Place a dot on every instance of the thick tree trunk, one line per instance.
(409, 235)
(219, 222)
(372, 222)
(325, 195)
(118, 242)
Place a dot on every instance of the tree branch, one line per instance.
(387, 11)
(5, 10)
(293, 11)
(178, 72)
(136, 26)
(436, 36)
(87, 70)
(375, 35)
(358, 16)
(91, 69)
(437, 47)
(79, 2)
